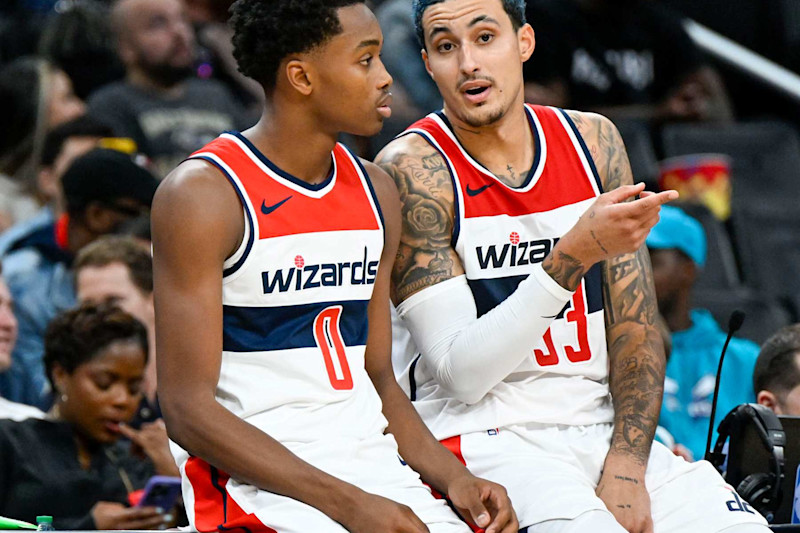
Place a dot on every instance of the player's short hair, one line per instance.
(77, 336)
(113, 249)
(266, 31)
(515, 9)
(776, 368)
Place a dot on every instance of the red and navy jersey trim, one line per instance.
(282, 173)
(585, 149)
(372, 192)
(537, 145)
(252, 230)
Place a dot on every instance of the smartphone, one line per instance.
(161, 491)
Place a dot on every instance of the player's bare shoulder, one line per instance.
(417, 169)
(196, 201)
(606, 146)
(425, 255)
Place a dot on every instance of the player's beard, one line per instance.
(479, 121)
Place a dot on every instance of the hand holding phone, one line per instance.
(161, 491)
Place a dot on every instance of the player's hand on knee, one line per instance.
(381, 514)
(626, 496)
(484, 504)
(615, 224)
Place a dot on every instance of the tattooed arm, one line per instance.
(470, 355)
(425, 256)
(635, 348)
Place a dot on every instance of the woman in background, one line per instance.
(35, 97)
(71, 465)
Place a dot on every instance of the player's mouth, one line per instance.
(476, 91)
(384, 105)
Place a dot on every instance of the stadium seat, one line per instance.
(641, 152)
(763, 316)
(768, 239)
(720, 271)
(765, 157)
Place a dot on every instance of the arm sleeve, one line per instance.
(470, 355)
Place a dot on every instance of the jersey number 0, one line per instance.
(329, 339)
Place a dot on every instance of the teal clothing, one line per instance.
(691, 373)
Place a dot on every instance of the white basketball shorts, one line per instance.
(551, 473)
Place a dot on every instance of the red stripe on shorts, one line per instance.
(454, 445)
(214, 509)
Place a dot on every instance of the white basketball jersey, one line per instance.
(500, 233)
(295, 297)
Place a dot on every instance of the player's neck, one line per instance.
(295, 143)
(506, 142)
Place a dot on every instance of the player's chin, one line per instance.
(368, 128)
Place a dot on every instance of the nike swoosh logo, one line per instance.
(267, 209)
(476, 192)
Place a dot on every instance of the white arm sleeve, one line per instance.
(470, 355)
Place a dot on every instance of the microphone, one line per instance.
(734, 323)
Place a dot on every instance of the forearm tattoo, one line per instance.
(635, 347)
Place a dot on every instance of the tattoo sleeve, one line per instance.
(425, 256)
(635, 347)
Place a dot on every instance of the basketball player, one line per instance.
(272, 252)
(522, 279)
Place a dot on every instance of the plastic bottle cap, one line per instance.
(44, 519)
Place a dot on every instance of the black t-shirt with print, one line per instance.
(630, 52)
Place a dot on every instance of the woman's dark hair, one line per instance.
(77, 336)
(22, 110)
(78, 39)
(266, 31)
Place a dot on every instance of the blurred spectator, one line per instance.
(678, 249)
(210, 19)
(71, 464)
(119, 271)
(627, 59)
(62, 146)
(78, 39)
(776, 378)
(160, 105)
(8, 337)
(34, 98)
(103, 189)
(414, 92)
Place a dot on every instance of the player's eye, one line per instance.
(366, 61)
(485, 37)
(445, 47)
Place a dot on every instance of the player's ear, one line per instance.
(427, 64)
(297, 74)
(527, 41)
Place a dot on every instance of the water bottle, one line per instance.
(45, 523)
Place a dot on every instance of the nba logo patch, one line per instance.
(492, 432)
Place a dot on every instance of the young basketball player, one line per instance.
(522, 278)
(272, 255)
